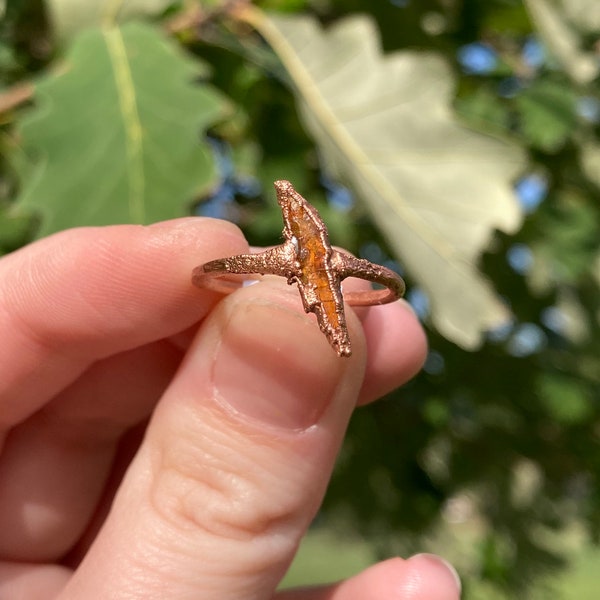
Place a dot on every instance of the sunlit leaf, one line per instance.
(562, 40)
(583, 13)
(116, 134)
(590, 161)
(575, 324)
(384, 125)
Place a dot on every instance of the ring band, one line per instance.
(308, 259)
(220, 276)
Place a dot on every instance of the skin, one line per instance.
(162, 441)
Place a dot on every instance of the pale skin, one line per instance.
(208, 424)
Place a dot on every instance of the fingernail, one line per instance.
(443, 564)
(274, 365)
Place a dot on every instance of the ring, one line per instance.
(307, 259)
(219, 275)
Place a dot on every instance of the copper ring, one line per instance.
(307, 259)
(219, 275)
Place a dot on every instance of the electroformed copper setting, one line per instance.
(307, 259)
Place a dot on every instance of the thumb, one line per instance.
(235, 461)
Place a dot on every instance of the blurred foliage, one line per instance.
(509, 432)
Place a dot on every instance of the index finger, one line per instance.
(85, 294)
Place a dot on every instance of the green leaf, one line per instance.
(69, 17)
(566, 244)
(15, 230)
(566, 399)
(384, 125)
(484, 108)
(548, 114)
(116, 133)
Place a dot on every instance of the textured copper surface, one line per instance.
(307, 259)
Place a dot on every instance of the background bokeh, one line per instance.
(461, 148)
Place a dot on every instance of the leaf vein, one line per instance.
(131, 120)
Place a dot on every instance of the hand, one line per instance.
(146, 458)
